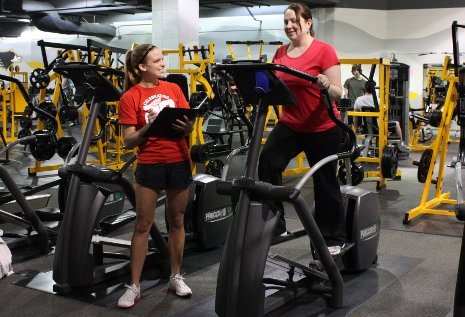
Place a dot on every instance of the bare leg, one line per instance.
(399, 132)
(176, 206)
(145, 208)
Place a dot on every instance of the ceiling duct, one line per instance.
(53, 22)
(47, 18)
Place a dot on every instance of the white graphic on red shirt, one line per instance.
(157, 103)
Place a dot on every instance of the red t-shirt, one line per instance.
(309, 114)
(133, 109)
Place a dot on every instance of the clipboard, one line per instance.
(162, 127)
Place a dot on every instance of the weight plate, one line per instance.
(43, 148)
(423, 166)
(389, 162)
(64, 145)
(214, 168)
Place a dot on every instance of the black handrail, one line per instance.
(304, 76)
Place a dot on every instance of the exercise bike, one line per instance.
(242, 289)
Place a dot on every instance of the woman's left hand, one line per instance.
(323, 81)
(184, 125)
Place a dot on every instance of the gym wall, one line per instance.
(414, 36)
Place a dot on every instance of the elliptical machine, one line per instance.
(74, 262)
(243, 263)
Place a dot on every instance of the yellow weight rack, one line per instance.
(439, 147)
(96, 53)
(384, 66)
(13, 104)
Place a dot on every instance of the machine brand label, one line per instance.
(217, 214)
(115, 196)
(368, 232)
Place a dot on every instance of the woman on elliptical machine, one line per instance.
(307, 126)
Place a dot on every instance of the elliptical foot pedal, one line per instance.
(307, 270)
(339, 251)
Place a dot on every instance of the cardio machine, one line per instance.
(242, 289)
(459, 300)
(74, 265)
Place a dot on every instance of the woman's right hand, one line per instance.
(152, 116)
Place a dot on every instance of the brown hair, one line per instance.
(356, 67)
(134, 57)
(302, 10)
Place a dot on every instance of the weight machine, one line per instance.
(12, 104)
(95, 53)
(428, 115)
(426, 165)
(385, 157)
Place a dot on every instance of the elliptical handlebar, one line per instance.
(105, 70)
(313, 79)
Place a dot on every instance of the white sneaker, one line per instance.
(130, 297)
(335, 250)
(178, 286)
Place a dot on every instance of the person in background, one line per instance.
(354, 87)
(162, 164)
(307, 126)
(367, 101)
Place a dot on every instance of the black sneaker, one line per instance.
(280, 228)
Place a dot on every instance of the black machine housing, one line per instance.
(208, 214)
(363, 227)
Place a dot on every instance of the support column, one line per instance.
(175, 22)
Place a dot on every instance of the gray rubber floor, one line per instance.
(432, 243)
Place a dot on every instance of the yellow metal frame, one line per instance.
(248, 44)
(382, 115)
(13, 101)
(101, 148)
(432, 72)
(195, 68)
(439, 147)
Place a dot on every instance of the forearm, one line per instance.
(133, 138)
(335, 92)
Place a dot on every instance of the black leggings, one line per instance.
(282, 145)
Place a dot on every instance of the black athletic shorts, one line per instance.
(164, 175)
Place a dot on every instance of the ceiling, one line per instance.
(83, 8)
(220, 4)
(73, 16)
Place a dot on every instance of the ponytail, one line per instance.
(134, 57)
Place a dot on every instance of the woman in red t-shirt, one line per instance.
(163, 164)
(307, 126)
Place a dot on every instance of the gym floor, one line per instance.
(431, 244)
